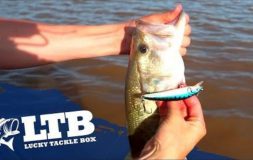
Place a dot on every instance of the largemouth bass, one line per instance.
(155, 65)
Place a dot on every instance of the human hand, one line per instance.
(170, 16)
(182, 126)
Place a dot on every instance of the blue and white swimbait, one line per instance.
(175, 94)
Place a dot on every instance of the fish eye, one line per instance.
(143, 48)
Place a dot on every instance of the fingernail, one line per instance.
(182, 85)
(179, 6)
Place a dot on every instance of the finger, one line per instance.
(173, 15)
(194, 109)
(187, 30)
(185, 114)
(187, 17)
(173, 108)
(183, 51)
(163, 109)
(186, 41)
(160, 103)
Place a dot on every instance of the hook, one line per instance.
(145, 109)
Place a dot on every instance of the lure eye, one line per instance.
(189, 89)
(143, 48)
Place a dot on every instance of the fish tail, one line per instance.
(9, 143)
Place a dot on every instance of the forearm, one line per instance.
(26, 44)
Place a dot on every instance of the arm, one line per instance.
(26, 44)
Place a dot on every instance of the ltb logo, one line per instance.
(8, 129)
(79, 124)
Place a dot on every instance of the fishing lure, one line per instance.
(175, 94)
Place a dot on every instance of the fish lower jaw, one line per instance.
(166, 88)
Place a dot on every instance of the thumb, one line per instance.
(194, 109)
(174, 14)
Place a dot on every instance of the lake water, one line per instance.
(221, 54)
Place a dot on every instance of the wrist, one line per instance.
(160, 150)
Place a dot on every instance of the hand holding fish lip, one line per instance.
(166, 18)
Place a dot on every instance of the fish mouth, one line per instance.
(180, 85)
(162, 85)
(10, 127)
(13, 128)
(160, 30)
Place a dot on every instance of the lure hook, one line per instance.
(144, 107)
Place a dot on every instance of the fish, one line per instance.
(8, 128)
(154, 65)
(175, 94)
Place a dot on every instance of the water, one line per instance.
(221, 54)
